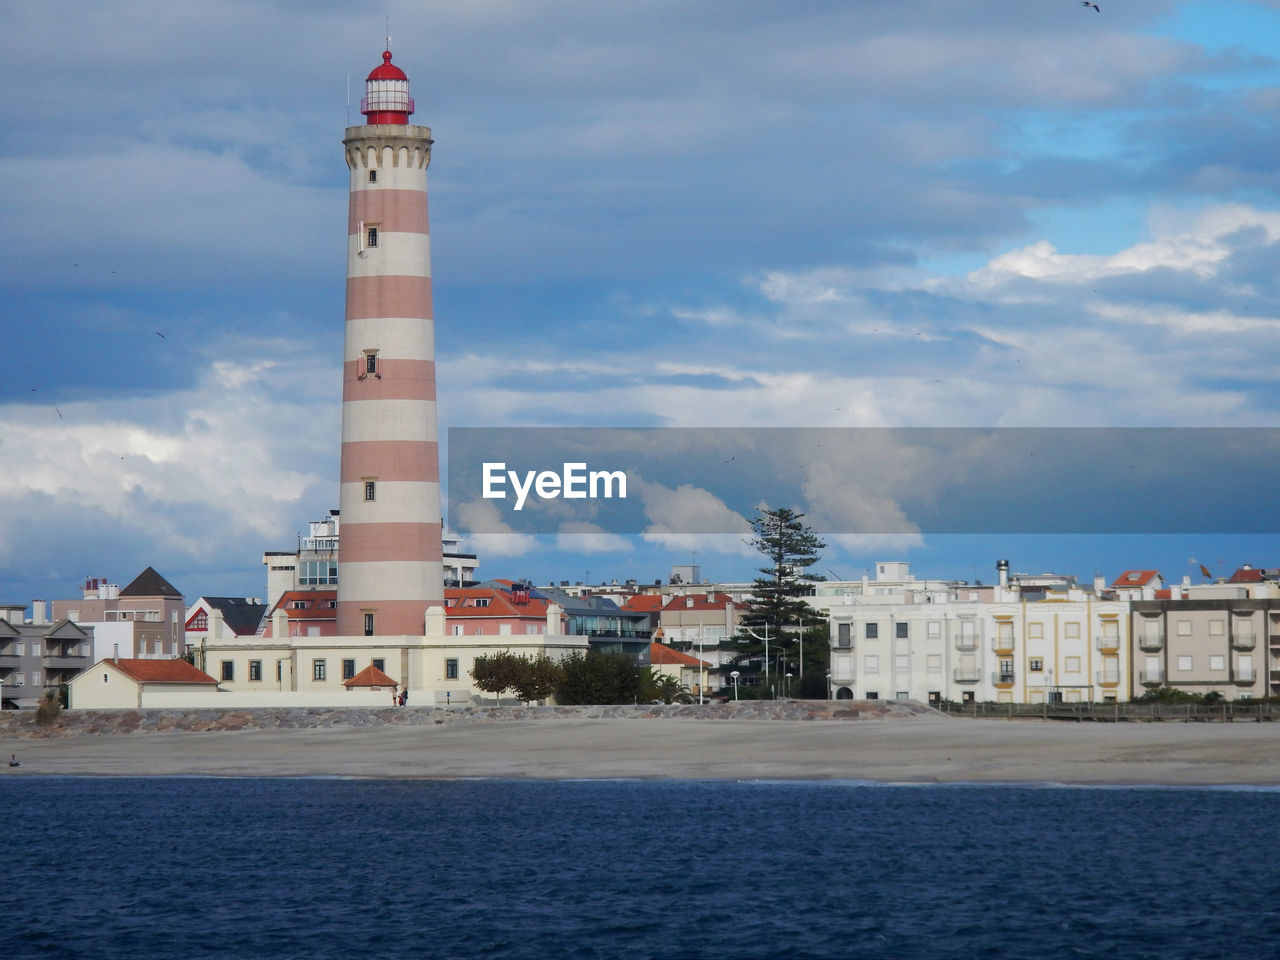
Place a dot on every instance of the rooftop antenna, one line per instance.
(348, 99)
(388, 32)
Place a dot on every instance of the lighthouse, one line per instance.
(389, 554)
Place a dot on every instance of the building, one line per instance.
(389, 606)
(390, 563)
(314, 564)
(695, 675)
(128, 683)
(1224, 645)
(996, 644)
(37, 656)
(143, 620)
(241, 615)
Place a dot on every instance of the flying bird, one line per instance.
(1086, 3)
(161, 335)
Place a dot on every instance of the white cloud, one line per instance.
(583, 537)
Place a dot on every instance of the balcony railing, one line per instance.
(1002, 644)
(966, 675)
(1108, 643)
(1245, 677)
(1108, 678)
(966, 643)
(65, 663)
(1151, 678)
(1243, 641)
(1151, 642)
(1002, 679)
(10, 660)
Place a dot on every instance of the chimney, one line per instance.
(688, 602)
(38, 612)
(1002, 571)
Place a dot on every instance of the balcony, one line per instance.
(1108, 644)
(1245, 678)
(10, 660)
(966, 675)
(1108, 678)
(1243, 641)
(966, 643)
(1002, 645)
(1002, 679)
(1151, 642)
(1151, 678)
(66, 663)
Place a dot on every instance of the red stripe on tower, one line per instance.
(389, 553)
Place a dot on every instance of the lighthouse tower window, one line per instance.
(370, 490)
(373, 176)
(372, 238)
(371, 362)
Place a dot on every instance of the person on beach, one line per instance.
(14, 761)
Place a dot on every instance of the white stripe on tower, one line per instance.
(389, 550)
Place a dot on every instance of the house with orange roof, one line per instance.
(125, 683)
(699, 676)
(307, 613)
(1138, 584)
(504, 608)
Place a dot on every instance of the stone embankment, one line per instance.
(74, 723)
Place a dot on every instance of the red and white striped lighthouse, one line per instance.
(389, 553)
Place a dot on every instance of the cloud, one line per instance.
(583, 537)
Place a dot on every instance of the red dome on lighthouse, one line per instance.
(387, 70)
(386, 98)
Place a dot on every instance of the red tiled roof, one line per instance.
(317, 607)
(1136, 578)
(700, 602)
(644, 603)
(1246, 575)
(370, 676)
(161, 671)
(661, 654)
(500, 604)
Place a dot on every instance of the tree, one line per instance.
(594, 677)
(777, 610)
(540, 677)
(530, 678)
(668, 689)
(498, 672)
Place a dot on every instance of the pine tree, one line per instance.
(777, 609)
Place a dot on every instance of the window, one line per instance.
(348, 669)
(934, 663)
(21, 680)
(1217, 628)
(228, 670)
(35, 648)
(318, 669)
(900, 630)
(35, 678)
(279, 671)
(1035, 664)
(872, 631)
(451, 669)
(873, 695)
(1186, 663)
(373, 176)
(372, 237)
(255, 669)
(1217, 663)
(871, 663)
(1072, 630)
(1006, 671)
(902, 695)
(380, 664)
(934, 631)
(1071, 664)
(842, 634)
(1035, 631)
(1184, 628)
(457, 629)
(370, 490)
(371, 362)
(368, 624)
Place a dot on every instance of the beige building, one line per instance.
(129, 683)
(1225, 645)
(141, 621)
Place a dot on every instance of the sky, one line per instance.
(1019, 213)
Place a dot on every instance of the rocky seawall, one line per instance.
(75, 723)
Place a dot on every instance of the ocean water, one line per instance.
(131, 868)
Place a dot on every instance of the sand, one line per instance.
(917, 750)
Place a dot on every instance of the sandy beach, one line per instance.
(919, 750)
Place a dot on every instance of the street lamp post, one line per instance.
(734, 674)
